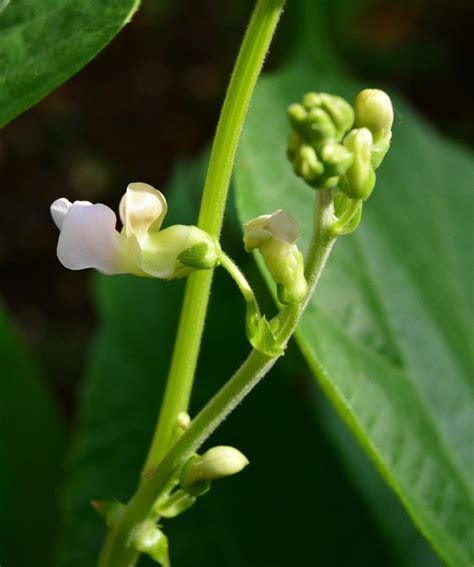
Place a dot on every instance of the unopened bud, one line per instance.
(359, 180)
(373, 110)
(216, 463)
(275, 236)
(340, 111)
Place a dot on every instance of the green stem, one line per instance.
(191, 326)
(118, 550)
(239, 278)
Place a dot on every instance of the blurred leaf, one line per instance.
(290, 502)
(31, 444)
(43, 43)
(3, 5)
(388, 333)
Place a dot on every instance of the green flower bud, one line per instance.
(149, 539)
(307, 165)
(340, 112)
(275, 236)
(297, 115)
(374, 111)
(359, 180)
(336, 158)
(216, 463)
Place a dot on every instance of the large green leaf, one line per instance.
(31, 444)
(43, 43)
(388, 333)
(293, 502)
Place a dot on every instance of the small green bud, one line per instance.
(319, 127)
(359, 180)
(149, 539)
(275, 237)
(297, 115)
(374, 111)
(336, 158)
(216, 463)
(340, 112)
(307, 165)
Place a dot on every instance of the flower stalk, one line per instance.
(119, 550)
(250, 60)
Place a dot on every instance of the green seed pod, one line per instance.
(359, 180)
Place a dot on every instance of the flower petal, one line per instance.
(283, 226)
(88, 239)
(59, 210)
(142, 210)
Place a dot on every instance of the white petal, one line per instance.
(283, 226)
(59, 210)
(142, 210)
(88, 239)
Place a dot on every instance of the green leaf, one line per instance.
(43, 43)
(31, 445)
(289, 501)
(387, 335)
(3, 5)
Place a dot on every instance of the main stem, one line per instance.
(118, 550)
(191, 326)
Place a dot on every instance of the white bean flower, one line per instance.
(89, 238)
(275, 237)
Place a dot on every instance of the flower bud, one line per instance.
(216, 463)
(359, 180)
(275, 236)
(149, 539)
(374, 111)
(340, 112)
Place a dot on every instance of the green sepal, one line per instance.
(149, 539)
(199, 256)
(175, 504)
(260, 334)
(110, 510)
(342, 204)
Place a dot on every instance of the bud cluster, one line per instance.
(324, 148)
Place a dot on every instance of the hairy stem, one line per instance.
(191, 326)
(119, 550)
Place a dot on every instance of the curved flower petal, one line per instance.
(283, 226)
(142, 210)
(88, 238)
(59, 210)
